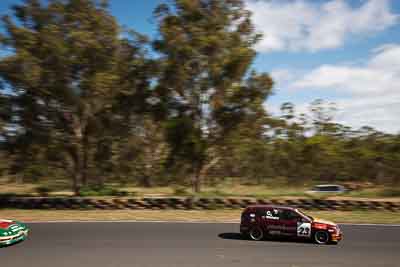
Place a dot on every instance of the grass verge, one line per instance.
(227, 188)
(381, 217)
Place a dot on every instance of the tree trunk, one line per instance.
(146, 181)
(77, 154)
(77, 178)
(380, 174)
(147, 173)
(201, 172)
(76, 170)
(197, 180)
(85, 148)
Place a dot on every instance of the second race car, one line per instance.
(12, 232)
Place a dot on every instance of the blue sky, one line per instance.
(343, 51)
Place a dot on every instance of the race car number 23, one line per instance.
(304, 229)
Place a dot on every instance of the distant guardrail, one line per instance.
(187, 203)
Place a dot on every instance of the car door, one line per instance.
(273, 224)
(261, 220)
(289, 220)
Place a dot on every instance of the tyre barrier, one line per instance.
(75, 203)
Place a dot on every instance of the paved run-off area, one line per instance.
(148, 244)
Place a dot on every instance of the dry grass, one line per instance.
(16, 188)
(383, 217)
(227, 189)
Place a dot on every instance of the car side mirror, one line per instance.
(304, 220)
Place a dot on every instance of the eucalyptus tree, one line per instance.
(206, 86)
(74, 77)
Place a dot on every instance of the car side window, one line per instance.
(288, 215)
(260, 213)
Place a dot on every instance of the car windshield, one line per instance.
(305, 215)
(329, 188)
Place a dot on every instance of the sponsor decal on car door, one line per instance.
(274, 225)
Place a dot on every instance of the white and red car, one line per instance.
(262, 221)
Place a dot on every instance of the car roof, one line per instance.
(270, 207)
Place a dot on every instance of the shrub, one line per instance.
(391, 192)
(180, 191)
(8, 195)
(43, 191)
(92, 191)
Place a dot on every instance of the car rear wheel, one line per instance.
(321, 237)
(256, 234)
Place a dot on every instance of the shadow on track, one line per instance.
(232, 236)
(238, 236)
(14, 244)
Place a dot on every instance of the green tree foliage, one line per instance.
(206, 50)
(82, 99)
(74, 80)
(314, 148)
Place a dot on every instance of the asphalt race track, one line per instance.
(191, 244)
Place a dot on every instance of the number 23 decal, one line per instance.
(304, 229)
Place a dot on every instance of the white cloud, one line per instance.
(355, 80)
(373, 89)
(282, 76)
(381, 113)
(298, 25)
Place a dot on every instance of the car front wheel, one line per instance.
(256, 234)
(321, 237)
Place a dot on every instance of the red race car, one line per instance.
(259, 222)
